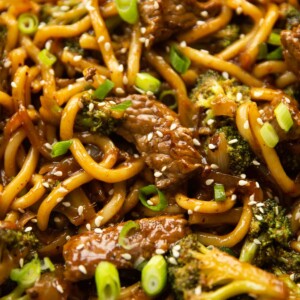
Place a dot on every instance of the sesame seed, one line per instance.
(214, 166)
(58, 173)
(157, 174)
(80, 246)
(111, 192)
(260, 121)
(101, 39)
(126, 256)
(66, 204)
(292, 276)
(246, 125)
(198, 290)
(80, 210)
(200, 23)
(159, 133)
(21, 210)
(156, 5)
(261, 210)
(82, 269)
(196, 142)
(225, 75)
(258, 217)
(7, 63)
(149, 202)
(252, 203)
(51, 71)
(91, 106)
(204, 14)
(56, 219)
(107, 46)
(172, 261)
(13, 84)
(190, 212)
(123, 50)
(143, 30)
(27, 229)
(119, 90)
(243, 182)
(77, 58)
(147, 42)
(33, 220)
(233, 197)
(121, 68)
(21, 262)
(125, 80)
(88, 226)
(176, 254)
(173, 126)
(239, 10)
(150, 136)
(239, 96)
(243, 176)
(233, 141)
(260, 204)
(59, 288)
(212, 146)
(209, 181)
(149, 93)
(197, 208)
(98, 220)
(257, 185)
(183, 44)
(46, 184)
(164, 168)
(68, 237)
(48, 146)
(257, 241)
(255, 162)
(160, 251)
(98, 230)
(142, 39)
(277, 211)
(210, 121)
(252, 197)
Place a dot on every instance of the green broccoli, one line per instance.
(292, 16)
(197, 272)
(102, 117)
(213, 90)
(267, 244)
(237, 155)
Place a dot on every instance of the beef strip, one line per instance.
(290, 40)
(89, 248)
(162, 18)
(167, 146)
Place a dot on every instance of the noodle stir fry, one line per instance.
(149, 149)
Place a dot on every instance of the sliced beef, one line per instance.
(162, 18)
(167, 146)
(290, 40)
(88, 249)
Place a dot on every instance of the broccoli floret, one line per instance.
(74, 46)
(213, 89)
(197, 272)
(102, 117)
(237, 155)
(267, 244)
(292, 16)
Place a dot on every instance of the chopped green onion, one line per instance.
(169, 98)
(107, 281)
(146, 82)
(47, 265)
(122, 106)
(153, 190)
(154, 275)
(219, 192)
(128, 10)
(128, 226)
(262, 51)
(269, 135)
(28, 274)
(179, 62)
(28, 23)
(283, 117)
(274, 39)
(103, 89)
(46, 58)
(275, 55)
(61, 148)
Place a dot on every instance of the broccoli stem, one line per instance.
(248, 251)
(235, 288)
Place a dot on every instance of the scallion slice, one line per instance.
(269, 135)
(147, 82)
(128, 226)
(274, 39)
(219, 192)
(107, 281)
(122, 106)
(128, 10)
(153, 190)
(169, 98)
(179, 62)
(46, 58)
(103, 89)
(154, 275)
(275, 55)
(28, 23)
(262, 51)
(283, 117)
(47, 265)
(61, 148)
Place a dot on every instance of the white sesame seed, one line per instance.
(257, 185)
(143, 30)
(164, 168)
(210, 121)
(149, 202)
(149, 93)
(119, 90)
(59, 288)
(239, 96)
(157, 174)
(80, 210)
(68, 237)
(21, 262)
(21, 210)
(200, 23)
(123, 50)
(88, 226)
(13, 84)
(172, 261)
(261, 210)
(277, 211)
(126, 256)
(252, 203)
(196, 142)
(260, 121)
(66, 204)
(150, 136)
(177, 247)
(125, 80)
(107, 46)
(233, 141)
(98, 230)
(33, 220)
(58, 173)
(56, 219)
(91, 106)
(214, 166)
(197, 208)
(121, 68)
(258, 217)
(77, 58)
(98, 220)
(42, 82)
(82, 269)
(243, 176)
(27, 229)
(7, 63)
(160, 251)
(142, 39)
(156, 5)
(176, 254)
(233, 197)
(111, 192)
(198, 290)
(190, 212)
(79, 247)
(100, 39)
(239, 10)
(243, 182)
(212, 146)
(225, 75)
(252, 197)
(204, 14)
(209, 181)
(257, 241)
(292, 276)
(260, 204)
(255, 162)
(246, 125)
(183, 44)
(159, 133)
(173, 126)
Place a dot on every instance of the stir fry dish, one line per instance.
(149, 149)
